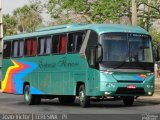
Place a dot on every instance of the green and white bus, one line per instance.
(84, 60)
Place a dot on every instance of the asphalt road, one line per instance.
(14, 104)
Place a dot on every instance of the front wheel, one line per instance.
(29, 98)
(128, 100)
(83, 99)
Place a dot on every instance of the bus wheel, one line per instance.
(83, 99)
(29, 98)
(128, 100)
(66, 99)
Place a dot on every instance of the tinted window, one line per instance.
(55, 44)
(7, 49)
(63, 44)
(75, 41)
(31, 47)
(17, 48)
(59, 44)
(44, 45)
(21, 48)
(71, 45)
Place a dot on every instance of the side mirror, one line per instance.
(99, 53)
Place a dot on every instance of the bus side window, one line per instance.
(41, 46)
(34, 47)
(70, 47)
(63, 44)
(21, 48)
(17, 48)
(30, 47)
(55, 44)
(7, 49)
(45, 45)
(79, 37)
(48, 45)
(75, 41)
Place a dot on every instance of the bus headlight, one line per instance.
(148, 74)
(107, 72)
(149, 86)
(110, 85)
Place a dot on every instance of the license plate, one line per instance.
(131, 86)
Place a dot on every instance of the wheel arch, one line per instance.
(25, 83)
(79, 83)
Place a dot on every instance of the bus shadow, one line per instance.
(104, 104)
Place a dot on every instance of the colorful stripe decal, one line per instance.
(140, 77)
(13, 80)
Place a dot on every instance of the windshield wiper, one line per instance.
(120, 65)
(123, 62)
(137, 61)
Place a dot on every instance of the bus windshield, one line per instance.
(123, 47)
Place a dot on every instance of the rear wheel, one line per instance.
(66, 99)
(83, 99)
(29, 98)
(128, 100)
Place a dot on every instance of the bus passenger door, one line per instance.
(90, 81)
(91, 71)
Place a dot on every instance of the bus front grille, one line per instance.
(129, 81)
(137, 91)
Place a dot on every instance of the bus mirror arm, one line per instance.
(99, 53)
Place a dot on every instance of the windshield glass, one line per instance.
(126, 47)
(115, 47)
(140, 48)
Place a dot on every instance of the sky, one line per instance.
(9, 5)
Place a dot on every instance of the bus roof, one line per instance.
(99, 28)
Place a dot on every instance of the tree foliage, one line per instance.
(102, 11)
(148, 12)
(23, 19)
(156, 43)
(93, 11)
(9, 25)
(28, 18)
(108, 11)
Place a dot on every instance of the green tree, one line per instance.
(148, 12)
(100, 11)
(9, 25)
(156, 43)
(93, 11)
(28, 18)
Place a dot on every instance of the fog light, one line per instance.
(107, 93)
(149, 93)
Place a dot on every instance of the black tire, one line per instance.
(65, 100)
(128, 100)
(29, 98)
(83, 99)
